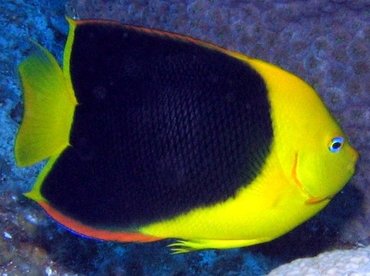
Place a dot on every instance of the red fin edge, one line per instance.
(154, 31)
(78, 227)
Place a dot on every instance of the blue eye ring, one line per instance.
(336, 144)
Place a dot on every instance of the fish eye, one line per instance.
(336, 144)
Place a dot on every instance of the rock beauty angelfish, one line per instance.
(152, 135)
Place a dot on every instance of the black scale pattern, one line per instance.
(162, 126)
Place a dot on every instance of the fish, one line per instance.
(151, 135)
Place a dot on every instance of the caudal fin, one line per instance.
(49, 105)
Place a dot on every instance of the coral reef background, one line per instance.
(325, 42)
(338, 262)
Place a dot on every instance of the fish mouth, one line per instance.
(310, 198)
(316, 200)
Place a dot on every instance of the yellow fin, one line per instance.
(49, 105)
(35, 193)
(185, 246)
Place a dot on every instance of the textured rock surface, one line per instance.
(338, 263)
(325, 42)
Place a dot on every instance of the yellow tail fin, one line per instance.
(49, 105)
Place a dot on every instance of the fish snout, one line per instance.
(354, 156)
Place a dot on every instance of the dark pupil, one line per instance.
(336, 145)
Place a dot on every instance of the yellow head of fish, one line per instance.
(312, 149)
